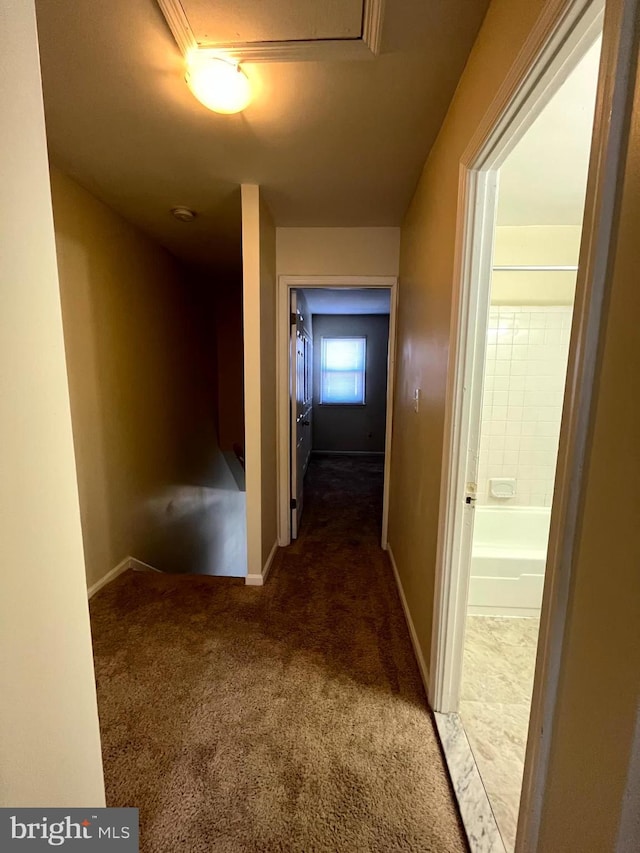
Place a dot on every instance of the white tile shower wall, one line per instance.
(526, 365)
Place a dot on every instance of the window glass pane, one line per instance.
(343, 371)
(344, 353)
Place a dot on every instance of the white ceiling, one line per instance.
(337, 144)
(340, 301)
(543, 181)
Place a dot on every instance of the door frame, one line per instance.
(562, 34)
(477, 200)
(294, 335)
(287, 283)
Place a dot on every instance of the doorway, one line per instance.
(523, 222)
(336, 339)
(338, 373)
(536, 243)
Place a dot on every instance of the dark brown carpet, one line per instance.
(284, 718)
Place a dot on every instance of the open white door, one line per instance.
(301, 361)
(465, 453)
(470, 460)
(470, 443)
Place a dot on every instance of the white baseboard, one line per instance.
(118, 570)
(261, 579)
(269, 563)
(424, 672)
(127, 563)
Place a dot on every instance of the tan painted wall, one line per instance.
(268, 299)
(599, 695)
(337, 251)
(252, 355)
(141, 362)
(424, 312)
(259, 289)
(531, 245)
(49, 737)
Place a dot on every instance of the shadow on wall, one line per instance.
(140, 345)
(203, 525)
(198, 524)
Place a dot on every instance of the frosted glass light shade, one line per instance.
(220, 85)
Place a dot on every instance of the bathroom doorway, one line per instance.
(524, 226)
(536, 244)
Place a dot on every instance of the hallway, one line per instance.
(284, 718)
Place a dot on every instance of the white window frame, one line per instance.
(347, 403)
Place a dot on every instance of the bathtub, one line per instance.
(507, 560)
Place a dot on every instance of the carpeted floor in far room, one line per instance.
(284, 718)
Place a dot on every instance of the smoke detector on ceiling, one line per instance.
(184, 214)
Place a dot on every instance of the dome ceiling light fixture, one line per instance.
(214, 67)
(218, 83)
(184, 214)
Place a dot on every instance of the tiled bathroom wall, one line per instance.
(527, 352)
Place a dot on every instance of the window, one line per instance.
(342, 371)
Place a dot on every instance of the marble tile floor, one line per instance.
(497, 680)
(477, 815)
